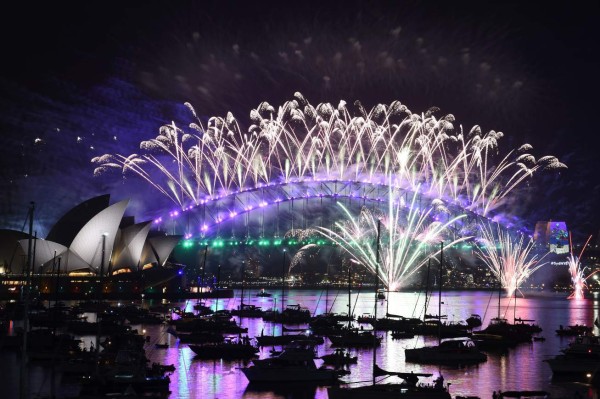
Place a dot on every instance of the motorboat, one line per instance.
(402, 334)
(431, 326)
(241, 349)
(264, 294)
(285, 339)
(491, 342)
(296, 363)
(574, 330)
(527, 326)
(474, 321)
(395, 322)
(355, 338)
(246, 310)
(339, 357)
(366, 318)
(410, 388)
(293, 314)
(512, 333)
(451, 351)
(128, 371)
(580, 360)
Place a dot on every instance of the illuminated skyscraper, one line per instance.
(553, 236)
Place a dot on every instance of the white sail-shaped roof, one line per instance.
(158, 249)
(69, 261)
(88, 244)
(45, 251)
(129, 246)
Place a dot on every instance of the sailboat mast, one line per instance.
(282, 290)
(327, 291)
(515, 308)
(349, 296)
(427, 287)
(499, 289)
(243, 282)
(25, 292)
(203, 269)
(440, 294)
(376, 290)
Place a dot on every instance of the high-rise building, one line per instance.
(553, 236)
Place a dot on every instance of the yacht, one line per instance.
(410, 388)
(355, 338)
(474, 321)
(263, 293)
(229, 349)
(296, 363)
(339, 357)
(580, 360)
(451, 351)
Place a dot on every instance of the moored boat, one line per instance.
(294, 364)
(580, 360)
(339, 357)
(241, 349)
(452, 351)
(264, 294)
(410, 388)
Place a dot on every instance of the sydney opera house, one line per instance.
(93, 245)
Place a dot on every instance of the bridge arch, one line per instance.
(271, 210)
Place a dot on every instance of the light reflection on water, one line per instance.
(522, 368)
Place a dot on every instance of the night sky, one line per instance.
(80, 79)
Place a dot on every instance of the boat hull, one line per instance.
(433, 356)
(290, 374)
(387, 391)
(580, 368)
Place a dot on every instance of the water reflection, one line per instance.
(521, 368)
(286, 391)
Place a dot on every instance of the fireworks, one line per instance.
(301, 256)
(407, 234)
(301, 142)
(576, 271)
(509, 257)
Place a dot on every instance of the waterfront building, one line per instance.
(93, 239)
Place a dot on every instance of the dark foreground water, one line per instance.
(521, 368)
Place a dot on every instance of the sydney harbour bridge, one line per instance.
(325, 174)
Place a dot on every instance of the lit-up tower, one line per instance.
(552, 236)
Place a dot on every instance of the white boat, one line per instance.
(294, 364)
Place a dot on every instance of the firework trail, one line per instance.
(299, 141)
(409, 235)
(508, 257)
(576, 271)
(301, 256)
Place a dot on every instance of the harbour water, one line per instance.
(522, 368)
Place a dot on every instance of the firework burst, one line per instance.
(302, 255)
(299, 142)
(407, 235)
(508, 256)
(578, 278)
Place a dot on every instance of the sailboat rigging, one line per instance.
(455, 351)
(408, 389)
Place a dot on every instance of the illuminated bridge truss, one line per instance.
(266, 215)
